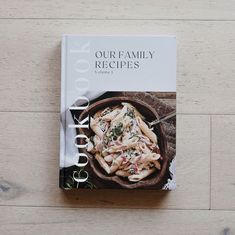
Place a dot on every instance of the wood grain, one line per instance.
(122, 9)
(30, 200)
(28, 221)
(30, 156)
(30, 61)
(223, 162)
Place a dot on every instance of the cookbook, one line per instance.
(118, 112)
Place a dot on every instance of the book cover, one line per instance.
(118, 112)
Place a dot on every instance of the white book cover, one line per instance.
(118, 112)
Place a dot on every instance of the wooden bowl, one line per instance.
(153, 180)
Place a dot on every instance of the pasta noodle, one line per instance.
(142, 175)
(95, 127)
(102, 163)
(123, 173)
(123, 143)
(111, 115)
(146, 130)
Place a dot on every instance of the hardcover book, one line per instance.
(118, 112)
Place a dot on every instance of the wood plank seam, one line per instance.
(123, 19)
(210, 160)
(116, 208)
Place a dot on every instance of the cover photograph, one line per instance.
(118, 112)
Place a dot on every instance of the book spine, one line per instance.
(63, 110)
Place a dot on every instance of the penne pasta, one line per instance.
(90, 147)
(144, 148)
(143, 174)
(122, 173)
(111, 115)
(108, 158)
(131, 107)
(96, 128)
(102, 163)
(146, 130)
(157, 165)
(123, 143)
(118, 148)
(126, 121)
(120, 115)
(116, 163)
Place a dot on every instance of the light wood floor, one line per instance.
(30, 200)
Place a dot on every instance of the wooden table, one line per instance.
(30, 200)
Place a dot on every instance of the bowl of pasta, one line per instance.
(122, 147)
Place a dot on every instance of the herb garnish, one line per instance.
(118, 129)
(130, 113)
